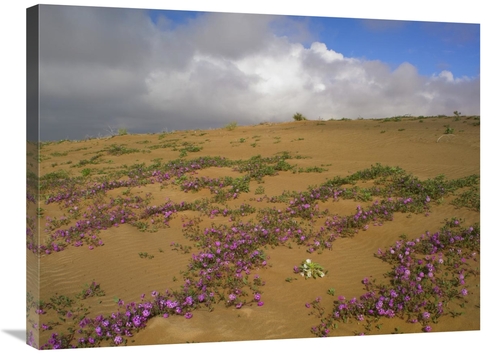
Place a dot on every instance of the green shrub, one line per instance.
(86, 172)
(448, 129)
(298, 117)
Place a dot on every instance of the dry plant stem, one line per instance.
(444, 135)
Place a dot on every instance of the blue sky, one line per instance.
(102, 69)
(430, 46)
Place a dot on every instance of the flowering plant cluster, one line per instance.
(428, 273)
(224, 267)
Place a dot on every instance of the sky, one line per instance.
(104, 69)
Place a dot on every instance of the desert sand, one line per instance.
(320, 151)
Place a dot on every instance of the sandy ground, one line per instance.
(419, 146)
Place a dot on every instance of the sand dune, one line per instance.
(328, 149)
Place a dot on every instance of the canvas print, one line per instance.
(198, 177)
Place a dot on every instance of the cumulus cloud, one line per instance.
(103, 68)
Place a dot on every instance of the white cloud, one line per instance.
(119, 69)
(326, 54)
(447, 75)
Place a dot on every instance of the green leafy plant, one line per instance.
(117, 150)
(309, 269)
(146, 255)
(231, 126)
(94, 289)
(259, 190)
(86, 172)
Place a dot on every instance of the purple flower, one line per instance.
(260, 303)
(136, 321)
(118, 340)
(427, 328)
(171, 304)
(188, 315)
(232, 297)
(257, 296)
(189, 300)
(464, 292)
